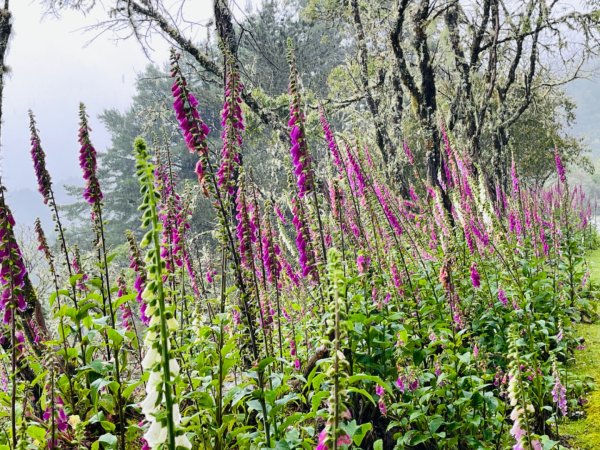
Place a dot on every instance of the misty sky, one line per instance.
(51, 71)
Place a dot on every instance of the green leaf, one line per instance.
(37, 433)
(108, 440)
(115, 336)
(363, 393)
(435, 423)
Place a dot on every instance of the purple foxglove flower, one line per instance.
(137, 264)
(475, 278)
(244, 230)
(408, 153)
(39, 162)
(363, 262)
(502, 297)
(513, 176)
(301, 158)
(559, 393)
(560, 170)
(194, 130)
(232, 123)
(270, 253)
(306, 256)
(12, 267)
(87, 160)
(322, 443)
(330, 139)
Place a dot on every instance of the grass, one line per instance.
(584, 434)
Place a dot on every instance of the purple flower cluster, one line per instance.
(303, 243)
(232, 123)
(560, 169)
(137, 264)
(559, 394)
(43, 244)
(502, 297)
(194, 130)
(408, 153)
(330, 139)
(126, 313)
(87, 160)
(301, 158)
(513, 176)
(362, 263)
(62, 420)
(39, 162)
(270, 253)
(246, 233)
(12, 267)
(387, 210)
(475, 278)
(173, 218)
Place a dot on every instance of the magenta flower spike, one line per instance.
(475, 278)
(408, 153)
(232, 126)
(244, 231)
(514, 178)
(87, 160)
(270, 253)
(560, 169)
(194, 130)
(39, 162)
(330, 139)
(306, 257)
(301, 158)
(12, 266)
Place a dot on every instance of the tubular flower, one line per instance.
(355, 172)
(559, 392)
(301, 158)
(43, 245)
(408, 153)
(387, 210)
(560, 169)
(39, 162)
(306, 257)
(502, 297)
(362, 263)
(513, 176)
(270, 253)
(12, 267)
(244, 231)
(194, 130)
(137, 264)
(475, 278)
(126, 314)
(330, 139)
(174, 221)
(78, 270)
(87, 160)
(232, 123)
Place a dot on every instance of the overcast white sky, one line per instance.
(51, 71)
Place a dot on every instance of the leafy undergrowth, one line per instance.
(584, 434)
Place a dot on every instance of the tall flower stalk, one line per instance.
(12, 298)
(45, 188)
(159, 406)
(93, 195)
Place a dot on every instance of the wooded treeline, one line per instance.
(490, 73)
